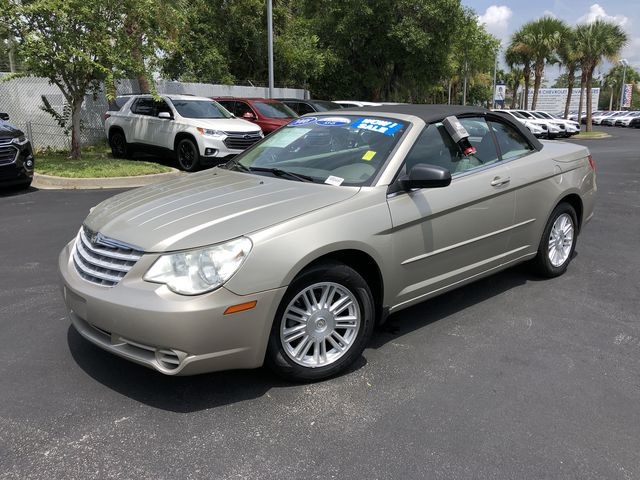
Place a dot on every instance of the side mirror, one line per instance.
(4, 116)
(164, 115)
(424, 175)
(249, 116)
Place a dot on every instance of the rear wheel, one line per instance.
(187, 155)
(119, 145)
(558, 242)
(322, 325)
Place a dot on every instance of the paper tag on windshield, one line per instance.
(337, 181)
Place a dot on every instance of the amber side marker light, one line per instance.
(240, 308)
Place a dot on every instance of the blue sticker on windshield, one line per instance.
(333, 121)
(376, 125)
(301, 121)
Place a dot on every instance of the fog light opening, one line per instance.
(210, 152)
(169, 359)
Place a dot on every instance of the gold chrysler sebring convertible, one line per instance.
(293, 251)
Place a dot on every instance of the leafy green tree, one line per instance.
(596, 41)
(380, 49)
(77, 44)
(612, 85)
(226, 42)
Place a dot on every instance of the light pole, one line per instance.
(495, 68)
(270, 44)
(625, 64)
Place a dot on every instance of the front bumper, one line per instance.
(16, 169)
(212, 148)
(173, 334)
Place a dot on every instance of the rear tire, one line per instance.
(322, 325)
(119, 146)
(187, 155)
(558, 242)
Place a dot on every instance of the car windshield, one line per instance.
(274, 110)
(344, 150)
(517, 114)
(200, 109)
(537, 114)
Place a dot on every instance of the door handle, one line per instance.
(497, 181)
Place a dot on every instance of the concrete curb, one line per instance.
(49, 182)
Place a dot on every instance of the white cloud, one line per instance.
(549, 13)
(596, 12)
(496, 20)
(632, 53)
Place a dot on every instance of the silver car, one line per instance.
(292, 252)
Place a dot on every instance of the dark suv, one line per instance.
(16, 156)
(301, 106)
(269, 114)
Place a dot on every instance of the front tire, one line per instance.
(187, 155)
(558, 242)
(322, 324)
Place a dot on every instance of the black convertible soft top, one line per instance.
(435, 113)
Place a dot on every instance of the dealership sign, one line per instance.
(554, 99)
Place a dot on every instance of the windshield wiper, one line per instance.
(283, 173)
(233, 163)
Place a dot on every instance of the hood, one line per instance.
(206, 208)
(9, 131)
(269, 125)
(224, 124)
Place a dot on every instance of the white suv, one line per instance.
(198, 130)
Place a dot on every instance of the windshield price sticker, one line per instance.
(337, 181)
(369, 154)
(375, 125)
(333, 121)
(302, 121)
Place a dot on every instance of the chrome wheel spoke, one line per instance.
(320, 324)
(560, 240)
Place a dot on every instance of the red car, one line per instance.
(269, 114)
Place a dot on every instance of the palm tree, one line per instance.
(595, 41)
(540, 39)
(517, 55)
(569, 57)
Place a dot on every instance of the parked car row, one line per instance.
(198, 131)
(622, 118)
(543, 124)
(16, 155)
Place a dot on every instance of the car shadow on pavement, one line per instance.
(442, 306)
(201, 392)
(15, 191)
(176, 394)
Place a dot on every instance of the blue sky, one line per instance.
(503, 17)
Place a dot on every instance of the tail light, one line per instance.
(592, 164)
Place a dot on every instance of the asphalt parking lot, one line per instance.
(509, 377)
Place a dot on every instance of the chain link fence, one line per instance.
(21, 98)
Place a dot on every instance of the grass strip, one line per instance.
(95, 162)
(583, 135)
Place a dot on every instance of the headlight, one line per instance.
(211, 133)
(199, 271)
(21, 140)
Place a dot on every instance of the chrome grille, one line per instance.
(8, 153)
(240, 140)
(102, 261)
